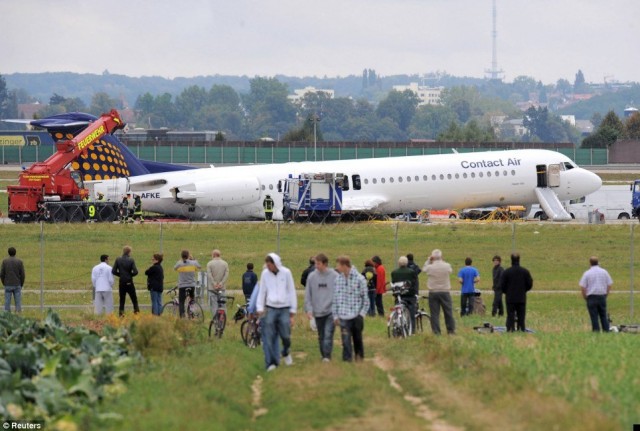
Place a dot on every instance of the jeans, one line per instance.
(411, 303)
(16, 291)
(325, 335)
(103, 300)
(125, 288)
(442, 300)
(497, 307)
(372, 302)
(352, 330)
(183, 292)
(379, 304)
(156, 302)
(276, 324)
(516, 313)
(466, 304)
(597, 306)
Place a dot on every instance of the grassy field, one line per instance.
(561, 377)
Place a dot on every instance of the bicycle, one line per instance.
(219, 318)
(250, 332)
(420, 313)
(398, 325)
(193, 310)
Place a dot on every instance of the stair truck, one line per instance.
(52, 191)
(313, 196)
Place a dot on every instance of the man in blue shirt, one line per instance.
(468, 276)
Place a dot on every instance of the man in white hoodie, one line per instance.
(102, 280)
(277, 304)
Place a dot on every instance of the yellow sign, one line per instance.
(7, 140)
(91, 137)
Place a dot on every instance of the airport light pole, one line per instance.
(314, 119)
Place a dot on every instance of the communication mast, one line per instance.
(494, 73)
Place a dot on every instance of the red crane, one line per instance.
(51, 191)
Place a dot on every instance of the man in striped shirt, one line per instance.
(596, 284)
(350, 305)
(187, 268)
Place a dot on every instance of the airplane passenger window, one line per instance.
(399, 179)
(441, 177)
(270, 186)
(497, 173)
(513, 172)
(457, 176)
(448, 176)
(480, 174)
(409, 178)
(390, 179)
(375, 181)
(488, 174)
(473, 174)
(504, 173)
(464, 175)
(424, 177)
(382, 180)
(417, 178)
(366, 180)
(263, 187)
(433, 177)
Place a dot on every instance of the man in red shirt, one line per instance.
(381, 283)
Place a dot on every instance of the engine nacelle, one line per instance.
(219, 192)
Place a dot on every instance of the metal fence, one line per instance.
(243, 153)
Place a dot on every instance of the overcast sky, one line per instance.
(545, 39)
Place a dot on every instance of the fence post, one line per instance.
(395, 240)
(42, 267)
(513, 237)
(631, 273)
(161, 236)
(278, 238)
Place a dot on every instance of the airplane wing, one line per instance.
(362, 202)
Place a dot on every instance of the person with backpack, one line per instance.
(369, 274)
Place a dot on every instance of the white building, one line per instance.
(427, 95)
(298, 95)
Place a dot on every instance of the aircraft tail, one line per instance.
(106, 158)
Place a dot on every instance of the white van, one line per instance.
(612, 201)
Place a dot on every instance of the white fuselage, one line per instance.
(388, 185)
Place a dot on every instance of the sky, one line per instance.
(544, 39)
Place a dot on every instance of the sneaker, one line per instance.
(326, 360)
(288, 360)
(271, 367)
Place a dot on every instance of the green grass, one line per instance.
(562, 377)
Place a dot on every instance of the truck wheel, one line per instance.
(107, 214)
(623, 216)
(57, 214)
(75, 214)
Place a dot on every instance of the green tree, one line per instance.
(101, 102)
(270, 111)
(430, 121)
(8, 101)
(579, 84)
(563, 86)
(524, 86)
(632, 126)
(400, 107)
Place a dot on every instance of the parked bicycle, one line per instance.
(398, 325)
(420, 313)
(193, 309)
(250, 332)
(219, 319)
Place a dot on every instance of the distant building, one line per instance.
(28, 110)
(585, 127)
(630, 111)
(299, 94)
(427, 95)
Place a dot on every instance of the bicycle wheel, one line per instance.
(418, 322)
(254, 335)
(170, 309)
(221, 322)
(390, 331)
(212, 325)
(195, 312)
(244, 332)
(405, 325)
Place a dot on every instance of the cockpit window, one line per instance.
(568, 166)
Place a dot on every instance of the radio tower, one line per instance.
(494, 73)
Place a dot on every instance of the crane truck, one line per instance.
(52, 191)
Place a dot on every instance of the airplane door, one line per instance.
(541, 171)
(554, 175)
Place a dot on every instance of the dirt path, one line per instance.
(256, 390)
(421, 409)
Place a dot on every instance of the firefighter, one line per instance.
(267, 204)
(124, 209)
(137, 208)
